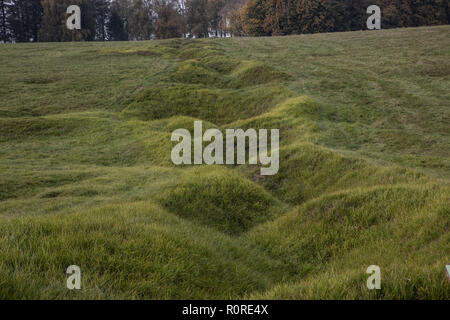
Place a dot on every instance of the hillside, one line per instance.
(86, 176)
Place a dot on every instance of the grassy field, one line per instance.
(86, 177)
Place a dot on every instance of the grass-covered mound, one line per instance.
(253, 73)
(134, 250)
(86, 176)
(328, 242)
(193, 72)
(221, 199)
(219, 106)
(310, 171)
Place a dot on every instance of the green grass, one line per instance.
(86, 176)
(220, 199)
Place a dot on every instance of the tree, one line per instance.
(253, 16)
(102, 8)
(116, 28)
(213, 11)
(3, 26)
(429, 12)
(323, 16)
(169, 22)
(230, 17)
(140, 19)
(233, 23)
(118, 21)
(197, 18)
(280, 17)
(23, 18)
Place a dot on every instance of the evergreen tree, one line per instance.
(3, 26)
(118, 20)
(116, 28)
(23, 18)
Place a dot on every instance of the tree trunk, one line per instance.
(3, 20)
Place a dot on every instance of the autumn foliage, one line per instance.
(282, 17)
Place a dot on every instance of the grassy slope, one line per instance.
(86, 176)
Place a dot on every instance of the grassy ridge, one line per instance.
(86, 176)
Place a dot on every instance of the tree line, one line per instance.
(44, 20)
(283, 17)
